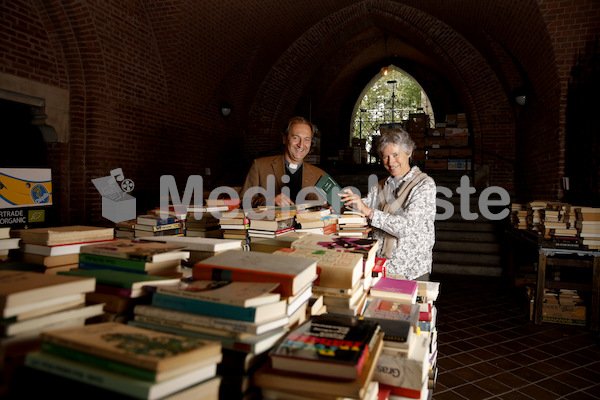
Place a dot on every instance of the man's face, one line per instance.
(297, 143)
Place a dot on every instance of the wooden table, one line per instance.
(569, 258)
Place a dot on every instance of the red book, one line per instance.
(396, 289)
(292, 273)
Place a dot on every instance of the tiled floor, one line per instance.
(488, 348)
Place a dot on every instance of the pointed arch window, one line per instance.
(385, 100)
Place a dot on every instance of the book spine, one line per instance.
(91, 266)
(99, 362)
(89, 375)
(206, 272)
(203, 307)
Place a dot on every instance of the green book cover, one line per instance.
(328, 189)
(128, 280)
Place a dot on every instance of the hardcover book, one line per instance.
(397, 289)
(127, 264)
(144, 348)
(243, 294)
(327, 345)
(126, 280)
(19, 289)
(116, 382)
(252, 266)
(58, 250)
(143, 250)
(366, 247)
(328, 190)
(336, 269)
(255, 314)
(200, 243)
(175, 318)
(268, 378)
(271, 225)
(64, 234)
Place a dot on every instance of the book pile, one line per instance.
(31, 302)
(201, 248)
(138, 256)
(271, 226)
(353, 224)
(556, 227)
(153, 225)
(125, 229)
(518, 216)
(588, 226)
(294, 275)
(234, 225)
(363, 246)
(339, 278)
(407, 347)
(126, 360)
(7, 243)
(535, 216)
(327, 357)
(563, 306)
(320, 221)
(119, 291)
(201, 222)
(270, 245)
(57, 248)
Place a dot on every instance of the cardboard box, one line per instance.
(451, 119)
(457, 164)
(570, 315)
(418, 155)
(437, 131)
(457, 133)
(25, 187)
(438, 153)
(461, 153)
(418, 122)
(435, 142)
(436, 163)
(454, 142)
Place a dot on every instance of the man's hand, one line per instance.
(282, 200)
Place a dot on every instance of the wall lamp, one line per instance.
(225, 109)
(520, 97)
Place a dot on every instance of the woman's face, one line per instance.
(395, 160)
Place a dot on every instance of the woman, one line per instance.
(401, 209)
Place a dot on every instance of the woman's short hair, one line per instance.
(298, 120)
(397, 136)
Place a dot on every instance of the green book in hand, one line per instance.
(328, 189)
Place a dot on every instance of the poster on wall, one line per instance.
(25, 194)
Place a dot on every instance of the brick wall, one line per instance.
(146, 79)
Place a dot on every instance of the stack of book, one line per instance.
(270, 245)
(353, 224)
(535, 216)
(201, 222)
(271, 226)
(7, 243)
(31, 302)
(518, 216)
(126, 360)
(139, 256)
(248, 315)
(154, 225)
(125, 229)
(234, 225)
(363, 246)
(247, 318)
(588, 226)
(320, 221)
(339, 278)
(294, 275)
(327, 357)
(201, 248)
(393, 303)
(57, 248)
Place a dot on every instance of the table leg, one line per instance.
(539, 293)
(595, 307)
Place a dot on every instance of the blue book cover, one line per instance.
(252, 314)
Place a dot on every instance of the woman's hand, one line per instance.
(283, 201)
(352, 200)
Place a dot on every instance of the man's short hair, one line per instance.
(299, 120)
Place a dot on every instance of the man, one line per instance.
(288, 173)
